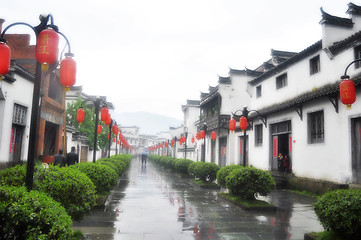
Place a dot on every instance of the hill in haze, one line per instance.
(148, 123)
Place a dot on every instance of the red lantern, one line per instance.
(193, 140)
(100, 128)
(232, 125)
(113, 140)
(80, 115)
(115, 129)
(182, 140)
(5, 56)
(172, 142)
(202, 134)
(347, 92)
(243, 123)
(108, 121)
(67, 73)
(166, 144)
(104, 112)
(47, 48)
(214, 136)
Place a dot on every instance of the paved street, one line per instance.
(151, 203)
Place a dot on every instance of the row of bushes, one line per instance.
(246, 182)
(203, 171)
(60, 195)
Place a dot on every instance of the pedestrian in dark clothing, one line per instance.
(144, 157)
(59, 159)
(72, 157)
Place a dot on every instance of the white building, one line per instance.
(15, 111)
(297, 96)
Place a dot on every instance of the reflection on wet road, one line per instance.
(151, 203)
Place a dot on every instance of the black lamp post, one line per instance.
(204, 143)
(175, 146)
(245, 113)
(44, 20)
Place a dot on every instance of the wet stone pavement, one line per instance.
(154, 204)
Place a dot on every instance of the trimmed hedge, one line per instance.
(181, 165)
(247, 182)
(72, 188)
(32, 215)
(119, 163)
(224, 172)
(340, 212)
(14, 176)
(204, 171)
(102, 176)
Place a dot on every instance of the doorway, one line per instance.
(281, 144)
(16, 144)
(356, 149)
(50, 136)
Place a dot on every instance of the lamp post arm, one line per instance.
(14, 24)
(263, 119)
(345, 76)
(67, 43)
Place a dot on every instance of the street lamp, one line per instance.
(203, 134)
(243, 125)
(347, 88)
(46, 53)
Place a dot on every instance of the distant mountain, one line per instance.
(148, 123)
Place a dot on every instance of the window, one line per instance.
(19, 114)
(316, 133)
(259, 91)
(357, 51)
(281, 81)
(315, 65)
(258, 132)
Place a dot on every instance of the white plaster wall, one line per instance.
(330, 160)
(19, 92)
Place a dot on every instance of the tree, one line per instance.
(88, 125)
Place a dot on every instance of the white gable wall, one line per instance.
(14, 96)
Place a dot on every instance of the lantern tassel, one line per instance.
(67, 89)
(348, 106)
(44, 67)
(1, 77)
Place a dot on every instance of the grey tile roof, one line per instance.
(308, 96)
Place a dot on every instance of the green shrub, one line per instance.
(248, 182)
(72, 188)
(32, 215)
(109, 164)
(204, 171)
(113, 162)
(224, 172)
(14, 176)
(181, 165)
(340, 212)
(102, 176)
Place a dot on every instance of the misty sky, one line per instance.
(153, 55)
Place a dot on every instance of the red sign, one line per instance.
(275, 147)
(290, 144)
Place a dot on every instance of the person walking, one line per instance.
(72, 157)
(59, 159)
(144, 157)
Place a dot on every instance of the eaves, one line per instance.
(286, 64)
(328, 90)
